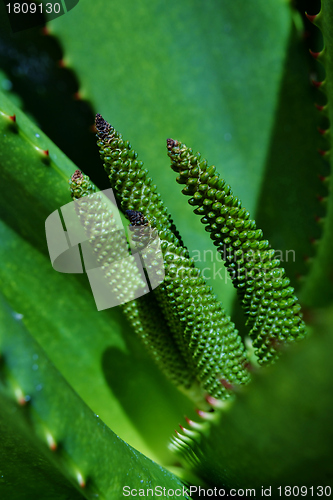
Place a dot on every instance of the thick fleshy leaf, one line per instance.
(52, 445)
(318, 289)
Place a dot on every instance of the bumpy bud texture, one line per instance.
(203, 332)
(269, 302)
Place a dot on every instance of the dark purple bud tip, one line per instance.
(77, 176)
(171, 144)
(102, 126)
(136, 218)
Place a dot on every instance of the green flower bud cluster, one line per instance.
(205, 336)
(143, 313)
(269, 302)
(133, 186)
(204, 333)
(106, 238)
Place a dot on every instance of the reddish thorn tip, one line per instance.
(210, 400)
(53, 446)
(13, 118)
(316, 84)
(226, 384)
(320, 198)
(318, 219)
(77, 96)
(311, 18)
(22, 401)
(322, 152)
(93, 129)
(315, 55)
(322, 131)
(46, 152)
(322, 178)
(320, 108)
(200, 413)
(61, 63)
(45, 31)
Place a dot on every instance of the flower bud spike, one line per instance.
(262, 286)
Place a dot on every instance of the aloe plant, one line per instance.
(90, 399)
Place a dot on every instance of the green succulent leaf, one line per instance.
(318, 289)
(51, 441)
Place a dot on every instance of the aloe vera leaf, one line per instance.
(64, 447)
(318, 289)
(35, 71)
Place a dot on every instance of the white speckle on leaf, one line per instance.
(17, 316)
